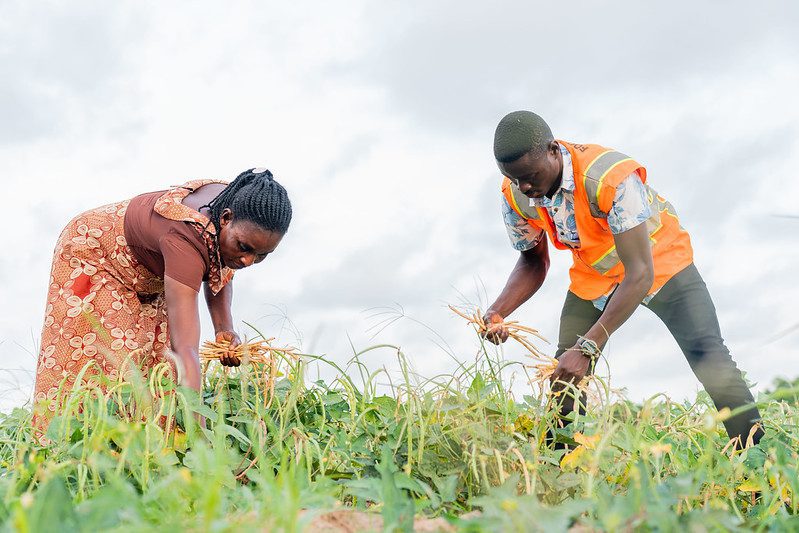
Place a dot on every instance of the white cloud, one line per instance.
(378, 119)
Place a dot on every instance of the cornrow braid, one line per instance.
(255, 196)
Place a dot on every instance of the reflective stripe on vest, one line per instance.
(657, 205)
(609, 259)
(594, 174)
(521, 203)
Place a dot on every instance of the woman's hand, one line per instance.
(229, 358)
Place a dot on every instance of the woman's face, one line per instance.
(242, 243)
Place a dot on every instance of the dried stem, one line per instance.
(543, 365)
(260, 353)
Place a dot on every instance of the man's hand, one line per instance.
(229, 358)
(496, 331)
(572, 367)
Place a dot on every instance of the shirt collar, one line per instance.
(170, 205)
(566, 184)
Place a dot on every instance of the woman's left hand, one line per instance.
(229, 358)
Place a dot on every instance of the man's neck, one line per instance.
(559, 181)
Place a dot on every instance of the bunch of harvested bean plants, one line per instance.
(263, 357)
(543, 365)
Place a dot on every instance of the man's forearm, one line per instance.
(635, 253)
(627, 297)
(525, 279)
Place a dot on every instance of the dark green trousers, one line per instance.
(685, 307)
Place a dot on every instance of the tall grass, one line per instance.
(130, 455)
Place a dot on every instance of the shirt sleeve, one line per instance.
(630, 206)
(182, 261)
(523, 235)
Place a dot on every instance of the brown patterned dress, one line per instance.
(102, 305)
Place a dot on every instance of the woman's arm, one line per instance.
(184, 330)
(219, 307)
(222, 318)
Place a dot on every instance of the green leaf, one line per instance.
(233, 432)
(755, 458)
(476, 387)
(398, 508)
(103, 511)
(567, 480)
(52, 508)
(447, 487)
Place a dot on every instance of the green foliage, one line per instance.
(457, 447)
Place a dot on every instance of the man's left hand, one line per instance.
(572, 367)
(229, 358)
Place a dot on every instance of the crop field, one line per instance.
(448, 453)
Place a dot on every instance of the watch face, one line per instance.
(590, 348)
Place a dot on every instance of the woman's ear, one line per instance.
(225, 217)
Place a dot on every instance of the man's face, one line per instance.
(536, 175)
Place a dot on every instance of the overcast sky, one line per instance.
(378, 118)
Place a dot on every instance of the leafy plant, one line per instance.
(459, 449)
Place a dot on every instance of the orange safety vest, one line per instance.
(597, 267)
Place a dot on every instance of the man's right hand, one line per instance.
(496, 331)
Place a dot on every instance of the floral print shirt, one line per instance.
(629, 209)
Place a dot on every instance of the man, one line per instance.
(628, 249)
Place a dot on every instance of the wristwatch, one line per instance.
(590, 349)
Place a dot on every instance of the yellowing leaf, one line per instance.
(181, 441)
(523, 424)
(572, 459)
(750, 485)
(585, 440)
(723, 415)
(659, 449)
(509, 505)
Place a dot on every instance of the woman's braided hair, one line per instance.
(255, 196)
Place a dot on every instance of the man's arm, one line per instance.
(219, 307)
(639, 272)
(526, 278)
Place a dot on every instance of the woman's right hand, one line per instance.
(496, 330)
(229, 358)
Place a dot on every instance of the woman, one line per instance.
(117, 270)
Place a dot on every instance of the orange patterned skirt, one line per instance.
(102, 306)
